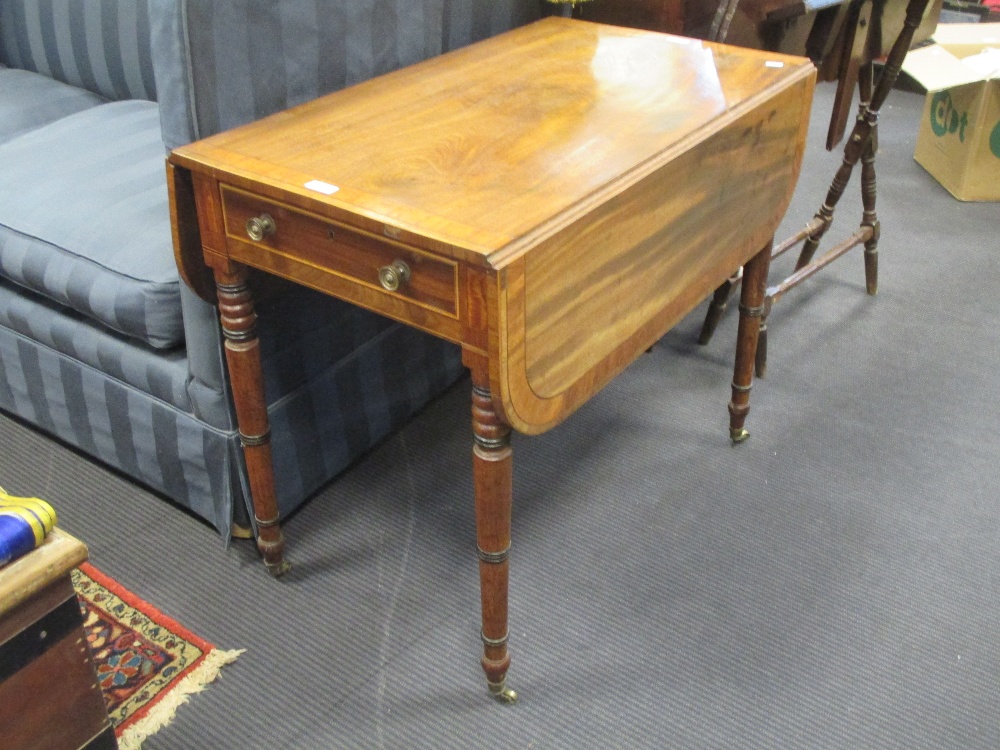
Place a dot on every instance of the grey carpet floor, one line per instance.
(832, 583)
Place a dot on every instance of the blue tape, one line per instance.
(16, 538)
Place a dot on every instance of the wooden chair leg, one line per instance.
(760, 360)
(868, 192)
(870, 219)
(716, 308)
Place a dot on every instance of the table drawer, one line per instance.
(376, 262)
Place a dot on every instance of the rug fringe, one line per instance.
(161, 714)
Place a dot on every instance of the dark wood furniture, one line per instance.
(49, 696)
(814, 28)
(553, 200)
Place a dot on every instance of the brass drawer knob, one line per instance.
(260, 227)
(394, 275)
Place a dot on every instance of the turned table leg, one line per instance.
(492, 473)
(751, 311)
(236, 311)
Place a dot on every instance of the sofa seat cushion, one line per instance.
(84, 219)
(103, 353)
(29, 100)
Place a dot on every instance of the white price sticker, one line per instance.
(322, 187)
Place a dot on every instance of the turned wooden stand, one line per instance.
(553, 200)
(860, 46)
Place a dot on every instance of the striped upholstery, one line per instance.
(235, 61)
(127, 406)
(163, 375)
(303, 333)
(337, 380)
(29, 100)
(86, 222)
(157, 444)
(320, 428)
(98, 45)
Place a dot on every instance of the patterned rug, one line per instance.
(147, 664)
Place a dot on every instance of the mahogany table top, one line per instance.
(563, 193)
(473, 150)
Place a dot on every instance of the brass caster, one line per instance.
(278, 569)
(738, 435)
(502, 693)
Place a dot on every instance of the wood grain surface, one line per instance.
(575, 318)
(563, 193)
(50, 562)
(470, 151)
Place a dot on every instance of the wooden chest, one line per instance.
(49, 696)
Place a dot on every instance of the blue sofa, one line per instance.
(100, 344)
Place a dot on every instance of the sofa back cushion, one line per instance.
(99, 45)
(223, 63)
(85, 221)
(29, 100)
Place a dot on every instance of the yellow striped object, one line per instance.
(24, 524)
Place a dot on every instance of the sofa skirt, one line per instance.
(317, 430)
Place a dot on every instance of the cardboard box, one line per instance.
(959, 138)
